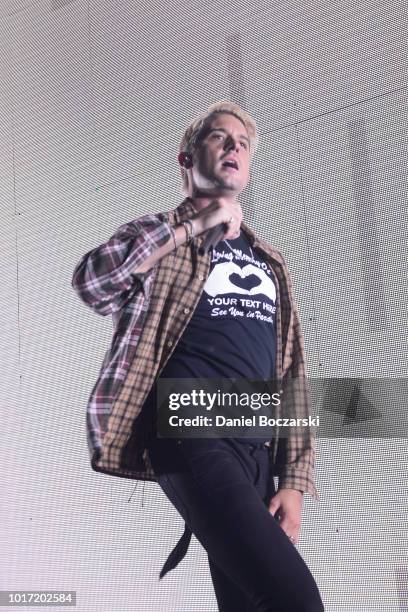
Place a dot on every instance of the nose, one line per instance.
(230, 143)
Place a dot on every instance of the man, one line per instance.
(160, 289)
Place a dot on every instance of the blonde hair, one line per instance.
(192, 135)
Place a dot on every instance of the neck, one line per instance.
(200, 202)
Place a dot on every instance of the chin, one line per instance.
(231, 183)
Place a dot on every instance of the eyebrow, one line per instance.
(225, 131)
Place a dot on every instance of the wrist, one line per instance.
(291, 490)
(197, 225)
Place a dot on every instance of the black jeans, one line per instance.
(219, 488)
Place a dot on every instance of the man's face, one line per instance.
(226, 137)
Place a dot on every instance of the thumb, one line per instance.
(274, 505)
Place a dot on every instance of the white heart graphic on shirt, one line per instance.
(218, 281)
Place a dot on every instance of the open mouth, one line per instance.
(230, 165)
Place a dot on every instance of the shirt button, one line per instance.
(186, 310)
(201, 277)
(170, 343)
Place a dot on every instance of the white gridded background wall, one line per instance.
(94, 98)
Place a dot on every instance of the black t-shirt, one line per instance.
(232, 332)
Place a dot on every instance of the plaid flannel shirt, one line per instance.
(150, 312)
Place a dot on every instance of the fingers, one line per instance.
(225, 211)
(291, 529)
(289, 504)
(292, 535)
(274, 507)
(290, 526)
(234, 228)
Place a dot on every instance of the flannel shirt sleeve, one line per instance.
(295, 459)
(104, 278)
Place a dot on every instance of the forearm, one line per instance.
(180, 237)
(105, 277)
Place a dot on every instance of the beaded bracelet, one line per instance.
(186, 230)
(174, 238)
(190, 233)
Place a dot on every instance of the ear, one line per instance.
(185, 160)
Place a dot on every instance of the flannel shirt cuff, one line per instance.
(299, 479)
